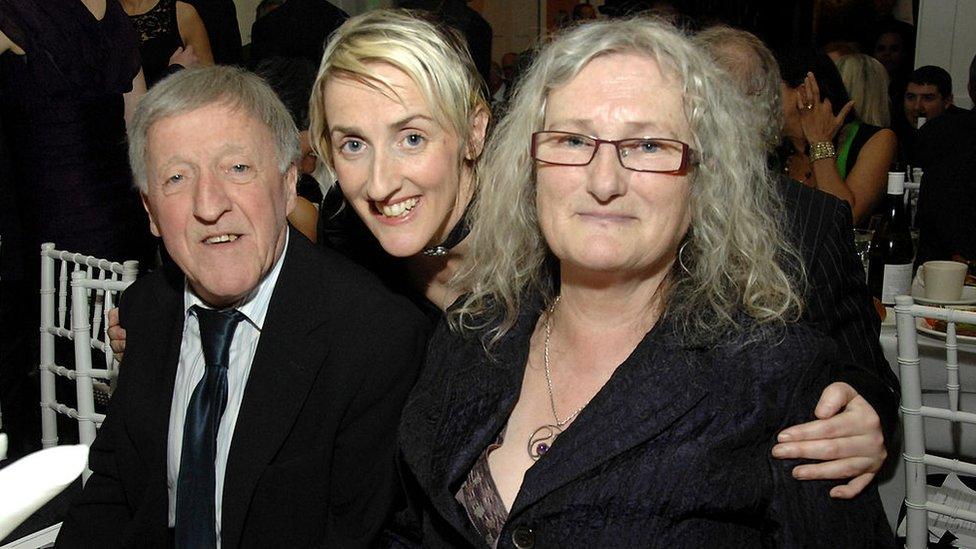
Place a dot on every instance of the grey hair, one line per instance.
(729, 278)
(866, 81)
(754, 71)
(192, 89)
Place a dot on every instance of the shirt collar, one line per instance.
(255, 304)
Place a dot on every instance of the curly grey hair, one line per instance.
(730, 267)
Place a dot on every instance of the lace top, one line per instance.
(159, 36)
(480, 499)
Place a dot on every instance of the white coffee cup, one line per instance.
(944, 279)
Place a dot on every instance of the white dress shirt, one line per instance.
(191, 369)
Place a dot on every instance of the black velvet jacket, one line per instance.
(674, 451)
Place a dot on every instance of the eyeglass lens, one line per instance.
(645, 154)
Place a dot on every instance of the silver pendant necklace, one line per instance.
(542, 438)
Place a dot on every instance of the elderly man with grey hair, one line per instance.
(263, 380)
(846, 434)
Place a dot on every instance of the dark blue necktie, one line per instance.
(195, 506)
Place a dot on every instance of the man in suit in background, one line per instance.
(261, 385)
(928, 94)
(946, 151)
(838, 304)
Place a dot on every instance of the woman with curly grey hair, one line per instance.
(626, 354)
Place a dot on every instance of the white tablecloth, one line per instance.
(931, 352)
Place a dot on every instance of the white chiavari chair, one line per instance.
(93, 289)
(920, 498)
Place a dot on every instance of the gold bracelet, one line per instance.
(821, 150)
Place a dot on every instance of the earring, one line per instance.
(681, 252)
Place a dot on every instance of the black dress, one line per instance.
(159, 36)
(63, 120)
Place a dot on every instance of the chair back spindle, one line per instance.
(918, 503)
(94, 285)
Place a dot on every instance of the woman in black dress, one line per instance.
(171, 35)
(398, 113)
(69, 74)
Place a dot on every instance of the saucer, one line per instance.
(968, 297)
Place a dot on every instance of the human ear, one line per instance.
(290, 181)
(477, 133)
(153, 226)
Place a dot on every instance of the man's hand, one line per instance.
(186, 57)
(847, 438)
(116, 334)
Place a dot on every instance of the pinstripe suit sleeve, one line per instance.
(838, 302)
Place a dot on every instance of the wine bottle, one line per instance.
(891, 253)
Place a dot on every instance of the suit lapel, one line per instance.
(286, 362)
(651, 390)
(154, 400)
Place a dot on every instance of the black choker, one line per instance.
(457, 234)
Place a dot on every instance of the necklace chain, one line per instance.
(545, 355)
(542, 438)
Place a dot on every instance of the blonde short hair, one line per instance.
(866, 81)
(435, 57)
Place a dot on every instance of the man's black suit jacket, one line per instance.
(838, 302)
(312, 457)
(947, 199)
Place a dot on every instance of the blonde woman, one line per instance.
(626, 354)
(398, 114)
(866, 81)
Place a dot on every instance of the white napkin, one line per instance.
(30, 482)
